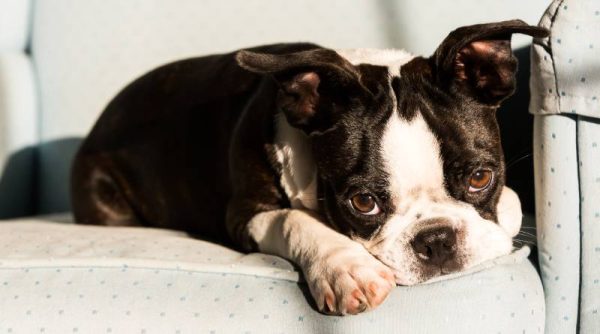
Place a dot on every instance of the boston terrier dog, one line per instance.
(366, 168)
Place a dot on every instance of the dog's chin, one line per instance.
(425, 273)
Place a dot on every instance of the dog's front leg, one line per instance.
(343, 277)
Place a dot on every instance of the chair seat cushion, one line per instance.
(59, 278)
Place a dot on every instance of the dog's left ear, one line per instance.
(478, 61)
(308, 81)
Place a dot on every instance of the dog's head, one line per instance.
(407, 149)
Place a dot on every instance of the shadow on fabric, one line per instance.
(35, 180)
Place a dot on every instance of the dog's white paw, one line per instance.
(348, 281)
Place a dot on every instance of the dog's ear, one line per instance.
(478, 61)
(305, 78)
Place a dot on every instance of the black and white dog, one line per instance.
(367, 168)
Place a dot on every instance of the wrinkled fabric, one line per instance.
(63, 278)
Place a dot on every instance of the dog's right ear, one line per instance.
(305, 79)
(478, 61)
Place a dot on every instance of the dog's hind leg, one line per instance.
(97, 197)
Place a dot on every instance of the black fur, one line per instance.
(190, 144)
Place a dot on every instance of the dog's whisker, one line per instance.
(528, 239)
(524, 237)
(518, 159)
(527, 231)
(524, 242)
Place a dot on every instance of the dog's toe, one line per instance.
(374, 285)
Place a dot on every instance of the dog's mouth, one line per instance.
(424, 272)
(402, 280)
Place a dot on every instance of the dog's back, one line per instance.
(158, 154)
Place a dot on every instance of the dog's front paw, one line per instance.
(348, 281)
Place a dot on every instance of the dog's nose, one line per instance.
(435, 245)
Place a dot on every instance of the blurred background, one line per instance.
(61, 61)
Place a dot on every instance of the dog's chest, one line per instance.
(298, 172)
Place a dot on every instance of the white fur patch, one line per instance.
(509, 211)
(299, 173)
(411, 153)
(392, 58)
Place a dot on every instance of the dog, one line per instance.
(366, 168)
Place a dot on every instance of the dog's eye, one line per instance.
(480, 180)
(365, 204)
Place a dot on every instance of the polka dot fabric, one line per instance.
(69, 245)
(557, 218)
(589, 179)
(63, 278)
(565, 91)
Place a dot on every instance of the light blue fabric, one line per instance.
(18, 133)
(565, 91)
(557, 217)
(589, 175)
(576, 54)
(57, 278)
(18, 111)
(14, 24)
(505, 299)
